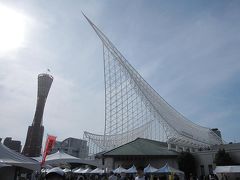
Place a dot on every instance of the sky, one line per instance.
(188, 51)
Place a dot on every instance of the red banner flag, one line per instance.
(48, 147)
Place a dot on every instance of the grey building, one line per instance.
(12, 144)
(144, 151)
(205, 158)
(72, 146)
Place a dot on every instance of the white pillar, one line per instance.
(169, 146)
(177, 148)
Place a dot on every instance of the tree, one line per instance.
(222, 158)
(186, 163)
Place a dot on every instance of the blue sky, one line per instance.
(188, 51)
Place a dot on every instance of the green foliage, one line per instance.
(223, 158)
(186, 163)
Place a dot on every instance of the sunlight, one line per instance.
(12, 29)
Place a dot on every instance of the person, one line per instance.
(140, 174)
(123, 176)
(191, 176)
(55, 174)
(211, 177)
(175, 177)
(80, 177)
(223, 176)
(112, 176)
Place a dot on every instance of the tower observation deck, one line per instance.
(134, 109)
(34, 137)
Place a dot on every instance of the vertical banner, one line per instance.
(48, 147)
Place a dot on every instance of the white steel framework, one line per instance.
(134, 109)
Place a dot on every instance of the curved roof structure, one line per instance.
(134, 109)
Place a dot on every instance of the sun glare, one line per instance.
(12, 29)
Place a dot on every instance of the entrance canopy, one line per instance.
(227, 169)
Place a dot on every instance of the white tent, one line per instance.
(61, 157)
(168, 169)
(88, 170)
(66, 170)
(56, 170)
(119, 170)
(97, 171)
(132, 170)
(78, 171)
(13, 158)
(44, 170)
(227, 169)
(150, 169)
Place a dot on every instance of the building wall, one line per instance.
(205, 159)
(204, 162)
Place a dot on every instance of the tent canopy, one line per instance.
(168, 169)
(119, 170)
(88, 170)
(150, 169)
(132, 170)
(78, 171)
(61, 157)
(66, 170)
(97, 171)
(227, 169)
(10, 157)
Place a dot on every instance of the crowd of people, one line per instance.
(59, 174)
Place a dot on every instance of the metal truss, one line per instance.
(134, 109)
